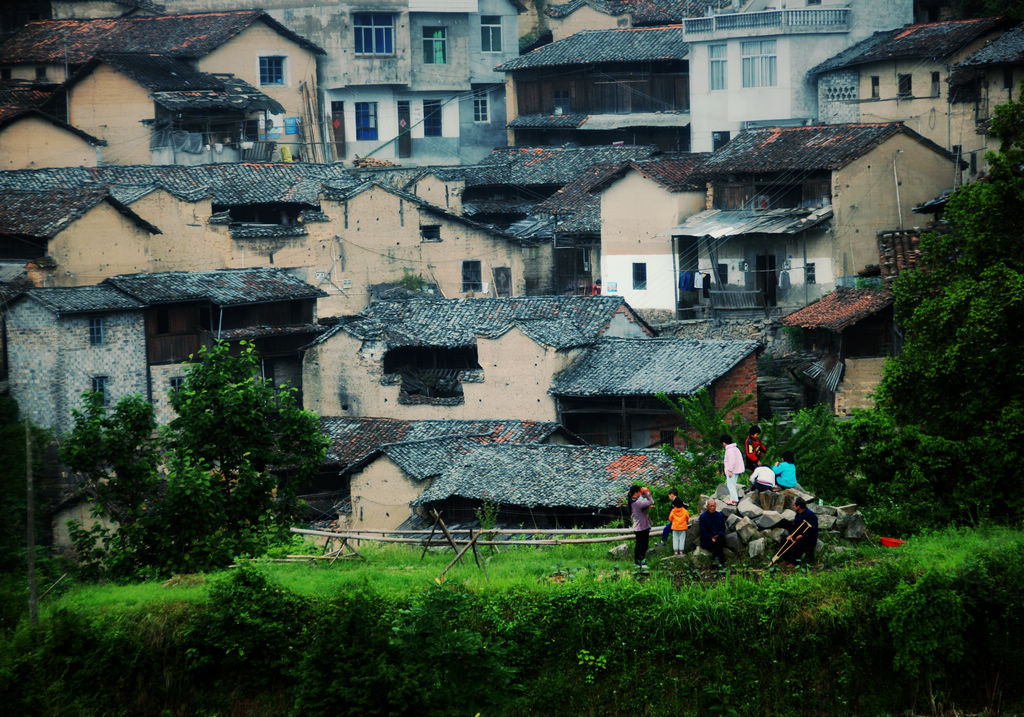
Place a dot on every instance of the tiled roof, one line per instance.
(230, 183)
(928, 42)
(8, 117)
(15, 98)
(567, 120)
(353, 439)
(46, 214)
(549, 165)
(593, 46)
(532, 476)
(897, 252)
(223, 287)
(839, 309)
(244, 230)
(83, 299)
(576, 206)
(642, 12)
(557, 321)
(1007, 49)
(675, 172)
(718, 223)
(645, 367)
(76, 41)
(800, 149)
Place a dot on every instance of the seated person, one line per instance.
(785, 470)
(762, 479)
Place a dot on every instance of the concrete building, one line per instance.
(904, 75)
(748, 67)
(565, 19)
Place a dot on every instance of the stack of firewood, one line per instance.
(364, 162)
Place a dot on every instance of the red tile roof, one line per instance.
(839, 309)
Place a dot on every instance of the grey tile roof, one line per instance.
(800, 149)
(596, 46)
(556, 321)
(83, 299)
(78, 40)
(1007, 49)
(719, 223)
(46, 214)
(549, 165)
(533, 476)
(353, 439)
(568, 120)
(641, 12)
(926, 42)
(645, 367)
(265, 231)
(222, 287)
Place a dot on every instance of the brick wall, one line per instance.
(742, 378)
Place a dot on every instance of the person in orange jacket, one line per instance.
(679, 517)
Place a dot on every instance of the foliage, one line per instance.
(219, 481)
(953, 399)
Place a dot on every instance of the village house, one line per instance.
(357, 483)
(406, 81)
(749, 62)
(135, 334)
(609, 395)
(533, 485)
(602, 86)
(248, 47)
(565, 19)
(987, 78)
(903, 75)
(339, 233)
(796, 210)
(851, 332)
(638, 260)
(457, 358)
(31, 136)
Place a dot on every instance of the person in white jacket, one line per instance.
(733, 465)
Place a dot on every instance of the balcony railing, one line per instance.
(782, 21)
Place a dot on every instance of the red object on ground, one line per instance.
(892, 542)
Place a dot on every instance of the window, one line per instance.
(366, 120)
(375, 33)
(176, 383)
(719, 140)
(41, 72)
(99, 385)
(758, 63)
(974, 162)
(471, 280)
(490, 33)
(430, 232)
(96, 330)
(431, 118)
(639, 276)
(435, 45)
(1007, 78)
(875, 94)
(935, 84)
(163, 321)
(904, 86)
(809, 275)
(562, 101)
(272, 70)
(717, 55)
(723, 274)
(481, 109)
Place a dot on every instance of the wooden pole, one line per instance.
(457, 558)
(30, 530)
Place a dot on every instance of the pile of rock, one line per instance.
(757, 525)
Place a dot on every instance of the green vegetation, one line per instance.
(199, 492)
(927, 628)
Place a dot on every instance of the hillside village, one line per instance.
(478, 235)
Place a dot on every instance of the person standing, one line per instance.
(667, 530)
(804, 535)
(640, 502)
(733, 467)
(679, 519)
(712, 531)
(753, 449)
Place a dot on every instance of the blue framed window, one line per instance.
(431, 118)
(96, 330)
(375, 33)
(272, 70)
(366, 120)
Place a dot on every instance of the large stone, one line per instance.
(732, 543)
(731, 520)
(764, 499)
(756, 548)
(775, 534)
(746, 529)
(855, 528)
(778, 502)
(768, 520)
(825, 522)
(621, 552)
(823, 509)
(846, 509)
(748, 509)
(788, 515)
(722, 492)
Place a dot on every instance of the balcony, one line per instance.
(768, 22)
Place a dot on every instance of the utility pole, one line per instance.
(33, 612)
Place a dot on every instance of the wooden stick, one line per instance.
(444, 529)
(789, 542)
(496, 531)
(457, 558)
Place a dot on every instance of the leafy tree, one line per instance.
(953, 400)
(219, 481)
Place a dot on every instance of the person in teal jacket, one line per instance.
(785, 471)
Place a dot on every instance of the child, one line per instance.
(786, 471)
(753, 449)
(733, 466)
(667, 530)
(679, 518)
